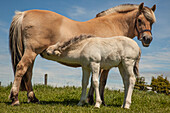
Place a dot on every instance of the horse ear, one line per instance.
(153, 8)
(141, 6)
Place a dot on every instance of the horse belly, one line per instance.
(71, 58)
(109, 63)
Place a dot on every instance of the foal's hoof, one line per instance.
(125, 106)
(97, 105)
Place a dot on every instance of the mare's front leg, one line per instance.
(21, 69)
(85, 81)
(95, 68)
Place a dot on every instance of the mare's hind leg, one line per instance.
(90, 97)
(129, 80)
(21, 69)
(103, 80)
(28, 84)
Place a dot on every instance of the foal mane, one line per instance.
(124, 8)
(72, 41)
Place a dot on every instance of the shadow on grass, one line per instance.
(8, 103)
(66, 102)
(114, 105)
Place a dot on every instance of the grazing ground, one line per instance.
(65, 99)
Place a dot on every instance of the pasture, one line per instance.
(65, 99)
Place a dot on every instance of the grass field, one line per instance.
(65, 99)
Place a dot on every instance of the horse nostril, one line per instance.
(147, 40)
(144, 38)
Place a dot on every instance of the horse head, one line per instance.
(143, 24)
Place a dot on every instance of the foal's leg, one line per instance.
(129, 81)
(124, 78)
(103, 80)
(28, 84)
(95, 68)
(85, 82)
(21, 69)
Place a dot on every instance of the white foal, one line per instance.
(95, 53)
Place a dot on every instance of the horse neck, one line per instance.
(124, 22)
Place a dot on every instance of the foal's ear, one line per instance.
(141, 6)
(153, 8)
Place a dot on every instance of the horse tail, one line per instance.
(16, 43)
(136, 66)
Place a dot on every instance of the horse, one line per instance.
(95, 53)
(32, 31)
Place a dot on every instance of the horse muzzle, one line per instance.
(146, 40)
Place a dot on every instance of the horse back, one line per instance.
(43, 28)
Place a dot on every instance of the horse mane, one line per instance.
(123, 8)
(72, 41)
(149, 14)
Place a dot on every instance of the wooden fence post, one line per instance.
(45, 80)
(0, 83)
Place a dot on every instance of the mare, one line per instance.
(94, 54)
(32, 31)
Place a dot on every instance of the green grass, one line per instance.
(65, 99)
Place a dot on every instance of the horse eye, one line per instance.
(139, 20)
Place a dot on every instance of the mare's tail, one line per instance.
(16, 43)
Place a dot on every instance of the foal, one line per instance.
(95, 53)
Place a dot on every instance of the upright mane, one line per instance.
(118, 9)
(72, 41)
(125, 8)
(149, 14)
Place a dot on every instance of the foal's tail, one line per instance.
(136, 66)
(16, 43)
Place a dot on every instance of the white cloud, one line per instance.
(3, 27)
(77, 11)
(81, 14)
(155, 61)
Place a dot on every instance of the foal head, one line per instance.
(143, 24)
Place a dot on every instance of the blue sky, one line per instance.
(155, 59)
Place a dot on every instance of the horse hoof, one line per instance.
(126, 106)
(90, 100)
(81, 103)
(15, 103)
(104, 104)
(35, 100)
(97, 105)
